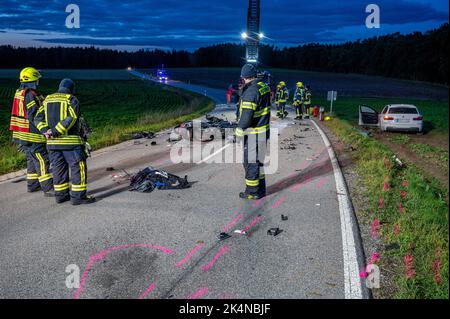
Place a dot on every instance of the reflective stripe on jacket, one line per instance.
(25, 105)
(60, 113)
(254, 117)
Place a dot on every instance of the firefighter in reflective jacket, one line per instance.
(26, 103)
(254, 128)
(281, 96)
(59, 120)
(307, 101)
(299, 100)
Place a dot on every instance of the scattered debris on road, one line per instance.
(139, 135)
(110, 169)
(148, 179)
(223, 236)
(284, 218)
(274, 231)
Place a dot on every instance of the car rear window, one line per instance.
(402, 110)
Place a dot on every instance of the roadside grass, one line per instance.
(113, 109)
(420, 228)
(400, 139)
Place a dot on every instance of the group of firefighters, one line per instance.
(301, 100)
(52, 134)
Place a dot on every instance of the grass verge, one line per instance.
(409, 213)
(113, 109)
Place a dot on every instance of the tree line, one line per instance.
(416, 56)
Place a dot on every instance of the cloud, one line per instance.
(194, 23)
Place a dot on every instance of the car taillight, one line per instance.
(388, 118)
(419, 118)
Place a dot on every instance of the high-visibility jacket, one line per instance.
(299, 96)
(60, 113)
(282, 95)
(26, 103)
(254, 117)
(307, 97)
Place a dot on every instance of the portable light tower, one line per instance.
(252, 36)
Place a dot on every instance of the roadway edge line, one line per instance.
(351, 244)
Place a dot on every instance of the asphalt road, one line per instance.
(165, 244)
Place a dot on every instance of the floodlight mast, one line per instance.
(252, 36)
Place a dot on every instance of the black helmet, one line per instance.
(67, 84)
(249, 71)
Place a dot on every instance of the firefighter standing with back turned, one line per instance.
(254, 128)
(59, 120)
(26, 103)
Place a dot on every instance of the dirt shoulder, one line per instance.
(428, 152)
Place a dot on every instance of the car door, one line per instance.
(368, 116)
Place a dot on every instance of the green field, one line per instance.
(113, 109)
(347, 85)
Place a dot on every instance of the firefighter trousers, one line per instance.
(75, 161)
(299, 110)
(39, 175)
(254, 154)
(282, 108)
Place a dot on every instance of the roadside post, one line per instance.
(331, 96)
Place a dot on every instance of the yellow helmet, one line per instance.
(282, 83)
(299, 84)
(29, 74)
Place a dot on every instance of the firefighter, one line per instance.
(284, 96)
(299, 100)
(26, 103)
(59, 119)
(307, 101)
(254, 128)
(277, 103)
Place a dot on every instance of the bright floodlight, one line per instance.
(261, 35)
(244, 35)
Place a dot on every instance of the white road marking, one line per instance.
(214, 154)
(352, 281)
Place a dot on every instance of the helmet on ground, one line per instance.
(299, 84)
(29, 74)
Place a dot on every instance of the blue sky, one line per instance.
(189, 24)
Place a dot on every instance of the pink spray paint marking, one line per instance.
(380, 202)
(232, 223)
(189, 255)
(401, 209)
(375, 227)
(321, 182)
(437, 267)
(409, 266)
(403, 194)
(374, 258)
(222, 251)
(102, 254)
(396, 229)
(147, 291)
(259, 202)
(385, 186)
(201, 292)
(278, 202)
(252, 223)
(296, 187)
(405, 184)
